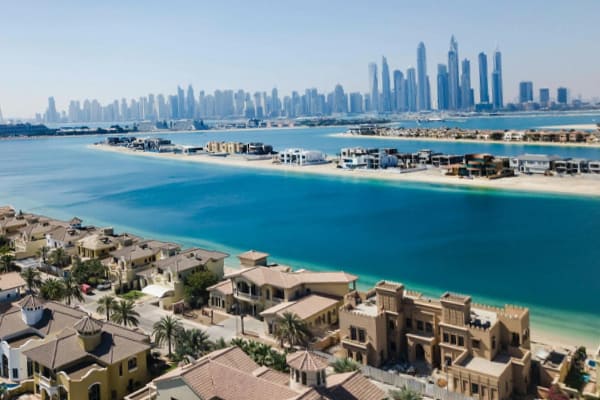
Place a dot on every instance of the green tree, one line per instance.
(88, 271)
(195, 286)
(124, 313)
(165, 330)
(32, 279)
(42, 253)
(220, 344)
(342, 365)
(72, 290)
(290, 329)
(7, 262)
(52, 289)
(59, 258)
(4, 244)
(105, 305)
(405, 394)
(192, 342)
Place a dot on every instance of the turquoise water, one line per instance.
(530, 249)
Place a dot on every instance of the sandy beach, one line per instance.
(577, 127)
(429, 139)
(569, 185)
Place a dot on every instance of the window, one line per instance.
(121, 369)
(475, 343)
(474, 388)
(408, 323)
(94, 392)
(36, 367)
(391, 325)
(353, 335)
(15, 373)
(297, 376)
(318, 379)
(515, 340)
(428, 327)
(359, 357)
(29, 368)
(493, 342)
(461, 341)
(419, 325)
(446, 338)
(362, 336)
(131, 364)
(304, 378)
(447, 361)
(452, 339)
(113, 394)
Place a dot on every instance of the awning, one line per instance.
(157, 290)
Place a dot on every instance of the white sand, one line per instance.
(449, 140)
(579, 127)
(588, 185)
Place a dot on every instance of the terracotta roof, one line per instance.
(87, 326)
(30, 301)
(224, 287)
(265, 275)
(352, 386)
(11, 280)
(253, 255)
(304, 308)
(147, 248)
(306, 361)
(190, 258)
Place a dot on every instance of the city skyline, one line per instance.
(221, 46)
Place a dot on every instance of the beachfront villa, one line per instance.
(90, 360)
(257, 148)
(164, 279)
(534, 163)
(11, 286)
(230, 374)
(102, 243)
(484, 351)
(361, 158)
(301, 157)
(125, 261)
(66, 236)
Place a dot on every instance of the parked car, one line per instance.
(86, 289)
(106, 285)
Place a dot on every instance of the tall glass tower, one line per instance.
(424, 100)
(442, 87)
(484, 96)
(497, 81)
(386, 91)
(465, 85)
(453, 82)
(373, 87)
(411, 89)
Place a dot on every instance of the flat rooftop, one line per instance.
(369, 307)
(494, 368)
(479, 317)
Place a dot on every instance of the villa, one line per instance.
(11, 286)
(483, 351)
(101, 244)
(301, 157)
(66, 237)
(534, 163)
(230, 374)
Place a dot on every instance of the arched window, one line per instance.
(94, 392)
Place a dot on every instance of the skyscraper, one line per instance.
(180, 104)
(51, 114)
(442, 87)
(399, 91)
(190, 109)
(356, 103)
(544, 97)
(453, 82)
(411, 89)
(465, 85)
(525, 92)
(373, 87)
(484, 96)
(424, 100)
(497, 81)
(386, 91)
(562, 95)
(340, 100)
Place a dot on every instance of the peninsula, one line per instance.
(582, 184)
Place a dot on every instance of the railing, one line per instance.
(245, 295)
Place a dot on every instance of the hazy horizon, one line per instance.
(111, 50)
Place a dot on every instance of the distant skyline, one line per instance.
(110, 50)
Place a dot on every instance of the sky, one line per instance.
(117, 48)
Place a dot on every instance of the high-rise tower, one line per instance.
(453, 82)
(466, 96)
(399, 91)
(373, 87)
(484, 96)
(424, 100)
(411, 89)
(497, 81)
(442, 87)
(386, 91)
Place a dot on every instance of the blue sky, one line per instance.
(111, 49)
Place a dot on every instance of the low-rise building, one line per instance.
(11, 286)
(301, 157)
(534, 163)
(102, 243)
(230, 374)
(483, 350)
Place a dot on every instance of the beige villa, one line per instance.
(102, 243)
(230, 374)
(483, 350)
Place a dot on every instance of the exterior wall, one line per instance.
(9, 295)
(374, 349)
(489, 387)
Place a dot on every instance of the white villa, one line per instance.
(302, 157)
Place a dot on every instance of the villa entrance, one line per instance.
(419, 352)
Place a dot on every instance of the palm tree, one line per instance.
(105, 305)
(72, 290)
(59, 258)
(405, 394)
(124, 313)
(32, 279)
(220, 344)
(198, 341)
(42, 253)
(52, 289)
(342, 365)
(7, 262)
(166, 329)
(291, 329)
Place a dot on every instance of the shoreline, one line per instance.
(586, 186)
(475, 141)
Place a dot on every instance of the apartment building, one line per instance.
(483, 350)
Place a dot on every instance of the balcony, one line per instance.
(245, 295)
(49, 384)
